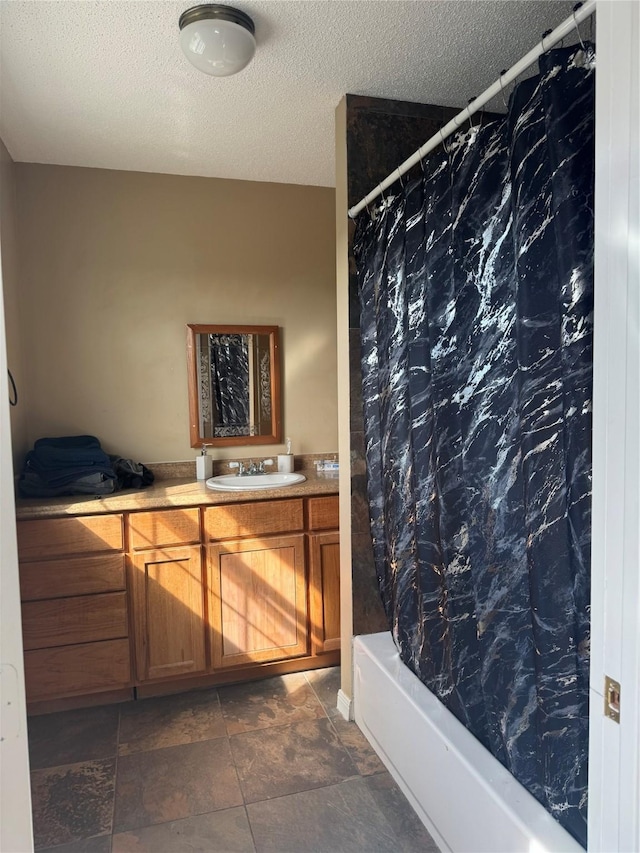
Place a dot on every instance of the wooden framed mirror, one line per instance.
(234, 385)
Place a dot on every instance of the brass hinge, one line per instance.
(612, 699)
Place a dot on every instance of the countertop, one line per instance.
(168, 493)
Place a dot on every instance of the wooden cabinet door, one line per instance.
(324, 580)
(258, 600)
(168, 606)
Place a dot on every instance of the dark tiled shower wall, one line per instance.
(381, 134)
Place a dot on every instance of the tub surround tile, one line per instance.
(276, 701)
(368, 613)
(69, 737)
(226, 831)
(355, 381)
(170, 721)
(284, 760)
(72, 802)
(359, 505)
(173, 783)
(341, 817)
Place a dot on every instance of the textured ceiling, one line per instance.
(103, 82)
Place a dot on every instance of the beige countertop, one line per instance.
(168, 493)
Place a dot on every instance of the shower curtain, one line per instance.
(476, 288)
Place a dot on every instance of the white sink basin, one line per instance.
(233, 483)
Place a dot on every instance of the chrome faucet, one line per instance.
(252, 469)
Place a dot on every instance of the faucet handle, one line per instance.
(263, 463)
(234, 464)
(239, 466)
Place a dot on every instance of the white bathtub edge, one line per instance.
(445, 764)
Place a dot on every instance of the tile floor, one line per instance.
(265, 766)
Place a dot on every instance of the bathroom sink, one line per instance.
(234, 483)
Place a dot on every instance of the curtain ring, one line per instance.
(544, 35)
(575, 9)
(400, 177)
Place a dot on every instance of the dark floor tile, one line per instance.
(363, 754)
(69, 737)
(271, 702)
(325, 684)
(173, 783)
(407, 826)
(72, 802)
(97, 844)
(170, 721)
(225, 831)
(286, 759)
(341, 818)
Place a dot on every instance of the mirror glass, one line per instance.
(234, 385)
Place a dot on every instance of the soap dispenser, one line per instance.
(204, 464)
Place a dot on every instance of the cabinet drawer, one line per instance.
(164, 527)
(253, 519)
(65, 621)
(74, 670)
(55, 537)
(323, 513)
(73, 576)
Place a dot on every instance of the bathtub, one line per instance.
(463, 795)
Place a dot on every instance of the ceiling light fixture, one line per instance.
(218, 40)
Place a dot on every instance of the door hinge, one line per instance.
(612, 699)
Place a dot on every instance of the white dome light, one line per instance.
(217, 39)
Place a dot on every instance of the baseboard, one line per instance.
(345, 705)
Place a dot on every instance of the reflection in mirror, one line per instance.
(234, 385)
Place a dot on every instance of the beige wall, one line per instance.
(113, 265)
(19, 438)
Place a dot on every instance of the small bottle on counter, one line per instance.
(285, 460)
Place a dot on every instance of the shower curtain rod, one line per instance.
(562, 30)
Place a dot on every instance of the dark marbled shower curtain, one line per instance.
(476, 286)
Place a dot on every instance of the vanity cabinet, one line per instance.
(324, 573)
(74, 606)
(257, 583)
(166, 583)
(162, 600)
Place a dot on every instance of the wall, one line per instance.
(113, 265)
(15, 793)
(10, 284)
